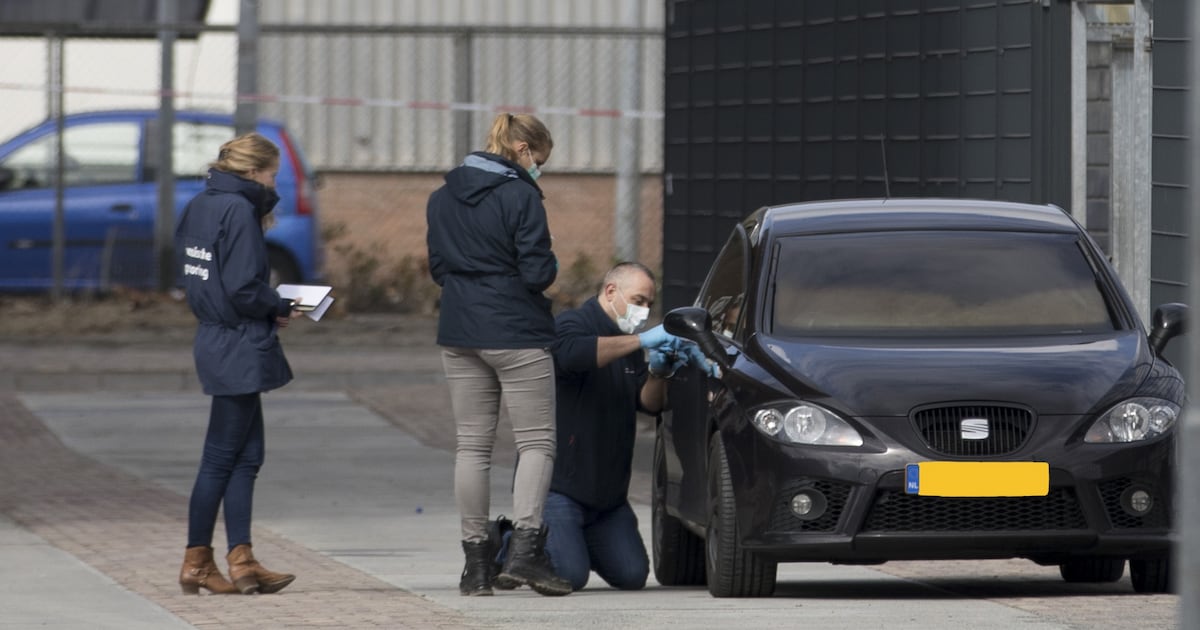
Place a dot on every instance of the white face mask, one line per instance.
(634, 317)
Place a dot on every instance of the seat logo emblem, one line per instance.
(974, 428)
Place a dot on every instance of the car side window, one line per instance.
(197, 145)
(95, 154)
(726, 287)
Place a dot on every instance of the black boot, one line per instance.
(477, 573)
(527, 564)
(497, 530)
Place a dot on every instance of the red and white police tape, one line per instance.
(343, 101)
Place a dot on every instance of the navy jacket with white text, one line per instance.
(223, 264)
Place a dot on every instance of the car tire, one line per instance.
(678, 553)
(730, 570)
(1092, 569)
(1151, 575)
(283, 268)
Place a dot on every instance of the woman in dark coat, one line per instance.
(489, 250)
(223, 264)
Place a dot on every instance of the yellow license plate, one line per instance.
(978, 479)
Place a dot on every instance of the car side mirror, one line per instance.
(695, 324)
(1169, 321)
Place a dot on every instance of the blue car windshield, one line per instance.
(935, 283)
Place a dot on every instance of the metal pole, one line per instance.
(58, 231)
(1079, 78)
(245, 117)
(164, 224)
(464, 44)
(1187, 483)
(1131, 189)
(629, 142)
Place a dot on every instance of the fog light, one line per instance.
(808, 504)
(1137, 501)
(802, 504)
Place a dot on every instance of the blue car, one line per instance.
(110, 199)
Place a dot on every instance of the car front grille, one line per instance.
(899, 512)
(1110, 493)
(1005, 429)
(783, 520)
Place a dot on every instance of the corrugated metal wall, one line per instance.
(534, 69)
(773, 102)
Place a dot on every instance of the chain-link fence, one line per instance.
(381, 110)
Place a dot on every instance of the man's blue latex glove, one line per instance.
(657, 337)
(663, 364)
(695, 356)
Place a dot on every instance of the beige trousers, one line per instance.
(477, 379)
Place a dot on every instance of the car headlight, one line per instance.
(1133, 420)
(805, 423)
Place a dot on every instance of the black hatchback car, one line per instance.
(916, 379)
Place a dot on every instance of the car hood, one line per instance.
(891, 378)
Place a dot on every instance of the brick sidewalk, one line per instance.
(134, 532)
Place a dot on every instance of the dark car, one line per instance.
(111, 196)
(916, 379)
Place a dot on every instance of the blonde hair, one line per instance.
(508, 129)
(245, 153)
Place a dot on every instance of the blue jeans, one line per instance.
(233, 453)
(583, 540)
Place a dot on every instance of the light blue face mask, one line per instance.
(533, 170)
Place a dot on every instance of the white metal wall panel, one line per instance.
(567, 71)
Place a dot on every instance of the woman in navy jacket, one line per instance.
(223, 264)
(489, 250)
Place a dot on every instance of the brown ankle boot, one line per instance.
(200, 570)
(251, 577)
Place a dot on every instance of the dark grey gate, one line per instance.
(777, 101)
(1169, 253)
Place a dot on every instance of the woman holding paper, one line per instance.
(224, 269)
(489, 250)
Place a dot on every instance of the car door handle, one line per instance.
(122, 207)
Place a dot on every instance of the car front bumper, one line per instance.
(867, 516)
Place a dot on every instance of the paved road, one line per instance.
(356, 499)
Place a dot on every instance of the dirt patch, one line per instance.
(146, 317)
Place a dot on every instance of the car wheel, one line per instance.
(1151, 575)
(730, 570)
(283, 269)
(678, 553)
(1092, 569)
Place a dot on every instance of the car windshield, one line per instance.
(936, 283)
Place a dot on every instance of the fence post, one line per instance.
(463, 62)
(245, 116)
(55, 102)
(1079, 103)
(1131, 131)
(629, 141)
(164, 223)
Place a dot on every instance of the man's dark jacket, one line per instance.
(222, 260)
(489, 250)
(596, 411)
